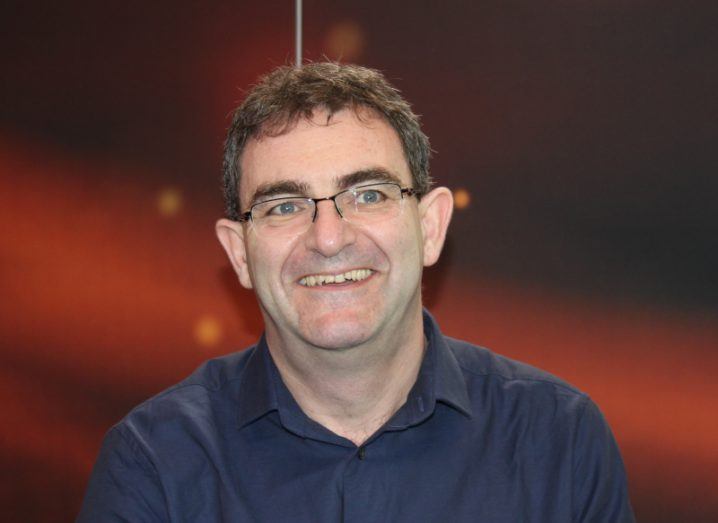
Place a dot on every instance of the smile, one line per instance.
(324, 279)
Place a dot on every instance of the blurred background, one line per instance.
(579, 138)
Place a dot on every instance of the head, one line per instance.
(312, 133)
(288, 94)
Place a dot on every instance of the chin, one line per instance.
(335, 333)
(336, 342)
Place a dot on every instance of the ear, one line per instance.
(435, 210)
(231, 235)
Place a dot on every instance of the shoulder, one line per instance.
(511, 399)
(210, 392)
(214, 374)
(480, 361)
(165, 441)
(548, 424)
(502, 381)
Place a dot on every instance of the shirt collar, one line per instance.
(256, 393)
(440, 380)
(450, 385)
(262, 391)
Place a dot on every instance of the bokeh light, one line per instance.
(345, 41)
(208, 331)
(169, 202)
(462, 198)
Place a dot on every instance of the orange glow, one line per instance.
(207, 331)
(104, 295)
(169, 202)
(462, 199)
(345, 41)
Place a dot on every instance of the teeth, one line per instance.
(324, 279)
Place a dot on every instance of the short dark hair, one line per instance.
(286, 94)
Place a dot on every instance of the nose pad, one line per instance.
(316, 207)
(330, 233)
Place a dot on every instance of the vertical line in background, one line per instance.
(297, 33)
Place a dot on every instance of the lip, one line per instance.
(346, 276)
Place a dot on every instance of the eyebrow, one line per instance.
(373, 174)
(282, 187)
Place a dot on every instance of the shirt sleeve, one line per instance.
(600, 492)
(124, 485)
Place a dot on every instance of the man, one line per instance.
(353, 406)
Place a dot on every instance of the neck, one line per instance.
(354, 391)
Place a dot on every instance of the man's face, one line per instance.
(316, 159)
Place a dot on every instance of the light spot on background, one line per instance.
(462, 198)
(344, 41)
(169, 202)
(207, 331)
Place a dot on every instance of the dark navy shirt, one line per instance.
(480, 438)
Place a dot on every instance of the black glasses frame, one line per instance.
(247, 216)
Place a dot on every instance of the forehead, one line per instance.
(317, 152)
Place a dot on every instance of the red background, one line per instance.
(583, 134)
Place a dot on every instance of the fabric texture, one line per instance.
(481, 438)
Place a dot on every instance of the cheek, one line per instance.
(403, 248)
(271, 264)
(261, 260)
(409, 241)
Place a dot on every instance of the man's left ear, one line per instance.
(435, 210)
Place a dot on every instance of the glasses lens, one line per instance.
(283, 214)
(370, 202)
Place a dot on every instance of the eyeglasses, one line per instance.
(361, 205)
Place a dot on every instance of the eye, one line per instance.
(287, 208)
(370, 197)
(281, 209)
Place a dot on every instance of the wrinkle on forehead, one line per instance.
(295, 183)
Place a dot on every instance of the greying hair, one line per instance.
(287, 94)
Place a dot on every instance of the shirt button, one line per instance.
(361, 453)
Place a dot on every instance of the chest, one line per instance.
(444, 470)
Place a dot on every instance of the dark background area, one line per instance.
(579, 138)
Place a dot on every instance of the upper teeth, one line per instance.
(321, 279)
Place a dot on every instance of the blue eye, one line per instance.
(281, 209)
(284, 208)
(370, 196)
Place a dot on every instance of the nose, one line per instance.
(329, 234)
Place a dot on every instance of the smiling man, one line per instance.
(352, 406)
